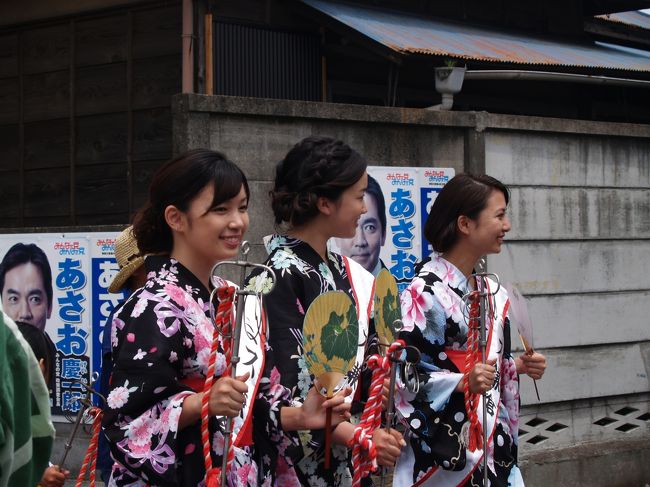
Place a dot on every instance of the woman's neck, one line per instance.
(311, 234)
(200, 269)
(464, 260)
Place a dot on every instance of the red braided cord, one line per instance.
(364, 454)
(475, 440)
(90, 459)
(223, 326)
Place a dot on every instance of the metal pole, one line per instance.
(234, 359)
(483, 296)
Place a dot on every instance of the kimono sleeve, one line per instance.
(145, 399)
(436, 412)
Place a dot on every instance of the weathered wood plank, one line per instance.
(579, 213)
(47, 144)
(574, 267)
(101, 89)
(47, 96)
(101, 189)
(46, 48)
(152, 134)
(157, 32)
(588, 319)
(47, 193)
(155, 80)
(581, 373)
(9, 149)
(9, 196)
(101, 40)
(8, 56)
(537, 159)
(9, 100)
(101, 138)
(142, 174)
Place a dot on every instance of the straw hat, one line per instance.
(128, 258)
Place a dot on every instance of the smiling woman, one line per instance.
(468, 220)
(161, 336)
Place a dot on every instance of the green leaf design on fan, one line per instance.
(330, 338)
(338, 338)
(387, 307)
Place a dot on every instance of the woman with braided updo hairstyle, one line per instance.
(318, 194)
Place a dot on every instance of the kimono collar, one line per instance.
(163, 269)
(448, 273)
(307, 253)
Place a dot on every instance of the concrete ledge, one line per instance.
(614, 464)
(184, 103)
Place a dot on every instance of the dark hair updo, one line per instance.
(177, 183)
(315, 167)
(464, 194)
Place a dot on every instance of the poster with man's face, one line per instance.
(390, 234)
(58, 284)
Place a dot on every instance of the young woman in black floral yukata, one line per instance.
(196, 215)
(318, 193)
(467, 221)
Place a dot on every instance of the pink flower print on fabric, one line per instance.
(140, 430)
(510, 394)
(446, 271)
(139, 308)
(285, 475)
(403, 400)
(172, 413)
(177, 295)
(119, 396)
(117, 324)
(415, 301)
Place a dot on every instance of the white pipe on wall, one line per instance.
(515, 74)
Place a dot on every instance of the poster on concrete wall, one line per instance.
(58, 283)
(390, 234)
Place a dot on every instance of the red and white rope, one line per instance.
(223, 326)
(364, 454)
(475, 439)
(90, 460)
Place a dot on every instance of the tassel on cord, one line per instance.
(364, 454)
(474, 440)
(90, 460)
(224, 324)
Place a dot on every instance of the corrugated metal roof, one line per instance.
(634, 18)
(406, 33)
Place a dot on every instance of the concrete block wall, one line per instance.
(578, 250)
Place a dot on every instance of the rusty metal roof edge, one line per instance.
(616, 19)
(602, 57)
(513, 61)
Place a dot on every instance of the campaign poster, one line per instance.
(58, 283)
(390, 234)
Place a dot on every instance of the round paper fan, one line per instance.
(330, 339)
(388, 314)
